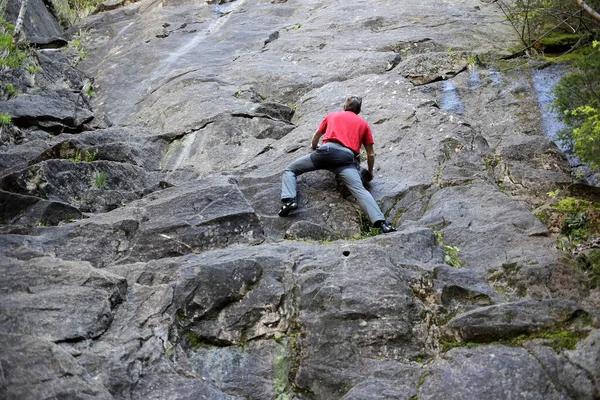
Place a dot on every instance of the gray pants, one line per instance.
(340, 160)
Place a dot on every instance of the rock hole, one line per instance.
(346, 253)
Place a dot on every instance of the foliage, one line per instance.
(10, 89)
(578, 220)
(75, 50)
(5, 119)
(554, 193)
(72, 11)
(90, 156)
(86, 155)
(577, 102)
(10, 56)
(548, 23)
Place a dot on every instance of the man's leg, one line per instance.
(351, 178)
(288, 182)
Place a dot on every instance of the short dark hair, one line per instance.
(353, 103)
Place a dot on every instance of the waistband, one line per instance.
(338, 146)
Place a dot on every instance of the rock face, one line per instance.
(141, 252)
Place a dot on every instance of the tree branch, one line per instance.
(593, 13)
(19, 23)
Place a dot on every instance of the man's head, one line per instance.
(353, 103)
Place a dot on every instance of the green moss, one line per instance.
(447, 344)
(571, 205)
(450, 252)
(285, 366)
(560, 338)
(443, 320)
(557, 38)
(194, 341)
(397, 218)
(422, 379)
(280, 373)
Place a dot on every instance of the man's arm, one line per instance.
(370, 158)
(315, 139)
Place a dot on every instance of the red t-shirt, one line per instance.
(347, 129)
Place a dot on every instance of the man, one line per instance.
(343, 135)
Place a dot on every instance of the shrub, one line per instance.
(10, 56)
(5, 119)
(72, 11)
(577, 102)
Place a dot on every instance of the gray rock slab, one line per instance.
(485, 224)
(89, 186)
(586, 356)
(35, 368)
(57, 300)
(494, 372)
(39, 22)
(575, 379)
(23, 212)
(299, 57)
(131, 145)
(217, 304)
(53, 112)
(200, 216)
(509, 320)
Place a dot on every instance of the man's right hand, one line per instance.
(315, 139)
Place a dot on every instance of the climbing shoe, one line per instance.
(288, 206)
(385, 226)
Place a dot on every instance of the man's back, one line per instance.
(347, 129)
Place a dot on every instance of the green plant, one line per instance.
(90, 156)
(10, 56)
(577, 219)
(577, 102)
(5, 119)
(10, 89)
(100, 180)
(77, 157)
(572, 205)
(72, 11)
(554, 193)
(450, 252)
(75, 50)
(86, 155)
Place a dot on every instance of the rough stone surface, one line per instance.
(142, 257)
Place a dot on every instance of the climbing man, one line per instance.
(343, 133)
